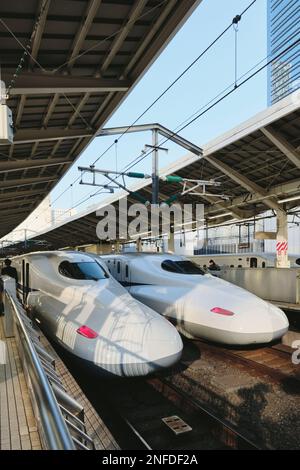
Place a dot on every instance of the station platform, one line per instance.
(95, 427)
(18, 426)
(287, 306)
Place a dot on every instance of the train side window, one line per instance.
(82, 271)
(181, 267)
(119, 267)
(126, 271)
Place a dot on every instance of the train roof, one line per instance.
(72, 255)
(140, 255)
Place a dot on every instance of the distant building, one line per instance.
(42, 218)
(283, 31)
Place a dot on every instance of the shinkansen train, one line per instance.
(201, 305)
(82, 307)
(243, 260)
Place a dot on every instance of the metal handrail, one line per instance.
(56, 435)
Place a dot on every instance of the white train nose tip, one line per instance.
(157, 345)
(163, 343)
(279, 321)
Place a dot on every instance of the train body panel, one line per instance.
(129, 338)
(201, 305)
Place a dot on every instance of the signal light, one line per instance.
(87, 332)
(222, 311)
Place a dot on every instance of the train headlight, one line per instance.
(87, 332)
(222, 311)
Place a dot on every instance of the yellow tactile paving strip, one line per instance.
(18, 427)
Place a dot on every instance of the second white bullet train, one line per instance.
(201, 305)
(82, 307)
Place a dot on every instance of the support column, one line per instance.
(155, 177)
(139, 245)
(171, 241)
(282, 260)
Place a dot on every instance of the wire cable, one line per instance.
(235, 21)
(215, 103)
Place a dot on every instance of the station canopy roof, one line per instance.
(84, 58)
(257, 163)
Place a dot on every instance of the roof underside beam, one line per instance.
(17, 194)
(38, 32)
(27, 202)
(17, 165)
(33, 83)
(281, 190)
(7, 215)
(79, 39)
(238, 213)
(18, 183)
(24, 136)
(135, 12)
(243, 181)
(170, 5)
(282, 144)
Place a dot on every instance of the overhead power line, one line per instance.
(233, 23)
(141, 157)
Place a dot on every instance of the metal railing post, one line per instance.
(54, 431)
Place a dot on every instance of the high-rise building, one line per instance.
(283, 31)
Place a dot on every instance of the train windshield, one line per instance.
(182, 267)
(90, 271)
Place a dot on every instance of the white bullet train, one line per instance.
(201, 305)
(82, 307)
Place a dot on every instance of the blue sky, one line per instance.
(203, 82)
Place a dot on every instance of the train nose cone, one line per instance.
(137, 346)
(232, 315)
(163, 344)
(279, 322)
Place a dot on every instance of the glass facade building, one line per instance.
(283, 31)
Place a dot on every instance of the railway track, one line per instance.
(134, 410)
(145, 405)
(138, 407)
(275, 361)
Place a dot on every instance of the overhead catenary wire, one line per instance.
(154, 102)
(235, 21)
(27, 48)
(143, 156)
(111, 36)
(212, 104)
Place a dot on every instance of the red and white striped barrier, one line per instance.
(282, 247)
